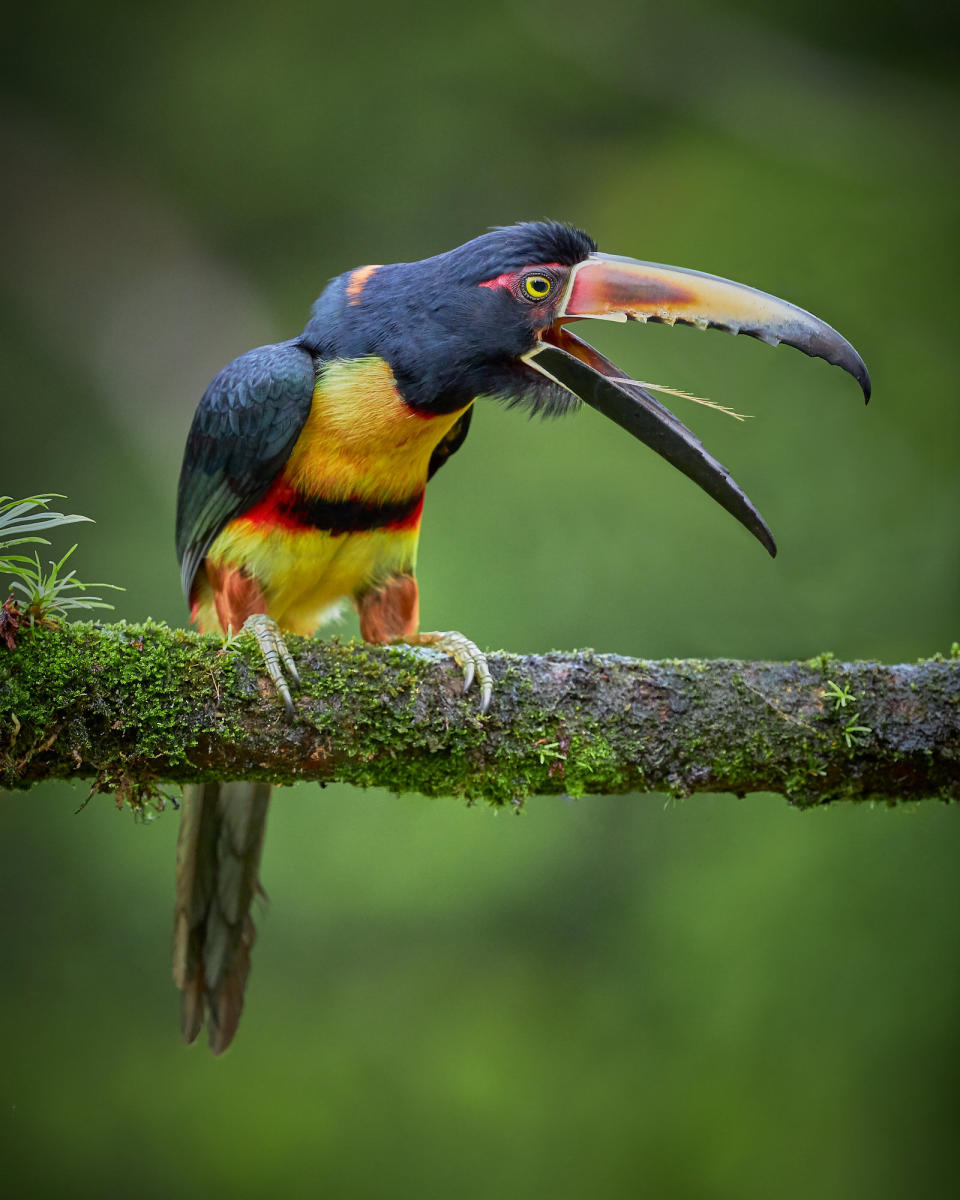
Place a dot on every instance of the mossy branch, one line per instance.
(132, 706)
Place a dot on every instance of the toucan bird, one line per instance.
(305, 469)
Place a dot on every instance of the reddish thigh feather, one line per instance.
(390, 611)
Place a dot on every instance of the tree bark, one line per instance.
(132, 706)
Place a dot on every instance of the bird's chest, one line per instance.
(361, 441)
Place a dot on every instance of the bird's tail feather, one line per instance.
(222, 829)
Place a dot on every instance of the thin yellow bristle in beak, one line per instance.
(670, 391)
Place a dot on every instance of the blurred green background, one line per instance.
(613, 997)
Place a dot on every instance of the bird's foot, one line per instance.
(275, 652)
(466, 654)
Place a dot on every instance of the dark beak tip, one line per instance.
(855, 366)
(765, 538)
(862, 376)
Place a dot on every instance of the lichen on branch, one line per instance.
(131, 706)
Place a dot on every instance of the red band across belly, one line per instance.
(286, 508)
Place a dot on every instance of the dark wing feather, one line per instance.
(450, 443)
(242, 433)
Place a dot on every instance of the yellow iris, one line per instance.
(537, 287)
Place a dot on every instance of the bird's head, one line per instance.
(491, 317)
(457, 325)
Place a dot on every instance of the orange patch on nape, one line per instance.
(390, 611)
(236, 595)
(358, 280)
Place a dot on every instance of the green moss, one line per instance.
(128, 659)
(535, 755)
(161, 693)
(592, 760)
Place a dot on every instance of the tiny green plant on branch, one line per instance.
(853, 733)
(841, 696)
(47, 594)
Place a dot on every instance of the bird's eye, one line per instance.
(537, 287)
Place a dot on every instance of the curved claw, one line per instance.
(288, 662)
(466, 654)
(274, 651)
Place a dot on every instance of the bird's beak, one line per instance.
(623, 289)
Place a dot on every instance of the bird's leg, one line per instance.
(241, 604)
(275, 652)
(390, 615)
